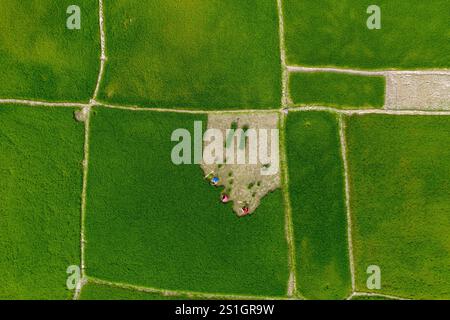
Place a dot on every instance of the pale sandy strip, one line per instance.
(370, 294)
(42, 103)
(342, 135)
(292, 281)
(371, 111)
(85, 166)
(179, 293)
(303, 108)
(368, 72)
(136, 108)
(79, 288)
(101, 20)
(284, 72)
(84, 191)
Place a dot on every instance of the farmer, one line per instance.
(224, 198)
(214, 181)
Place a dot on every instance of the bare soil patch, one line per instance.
(244, 184)
(418, 92)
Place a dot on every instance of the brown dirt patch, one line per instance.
(244, 183)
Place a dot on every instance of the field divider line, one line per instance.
(84, 192)
(284, 71)
(79, 288)
(295, 69)
(136, 108)
(94, 103)
(103, 58)
(178, 293)
(373, 294)
(292, 281)
(350, 112)
(343, 140)
(43, 103)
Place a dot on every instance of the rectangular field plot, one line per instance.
(94, 291)
(40, 181)
(414, 34)
(193, 54)
(337, 90)
(316, 187)
(40, 58)
(400, 182)
(152, 223)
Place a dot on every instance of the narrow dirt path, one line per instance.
(284, 71)
(369, 294)
(180, 293)
(101, 22)
(368, 72)
(343, 139)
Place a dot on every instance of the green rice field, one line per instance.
(40, 58)
(93, 207)
(40, 183)
(337, 90)
(400, 174)
(193, 54)
(414, 34)
(318, 205)
(197, 243)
